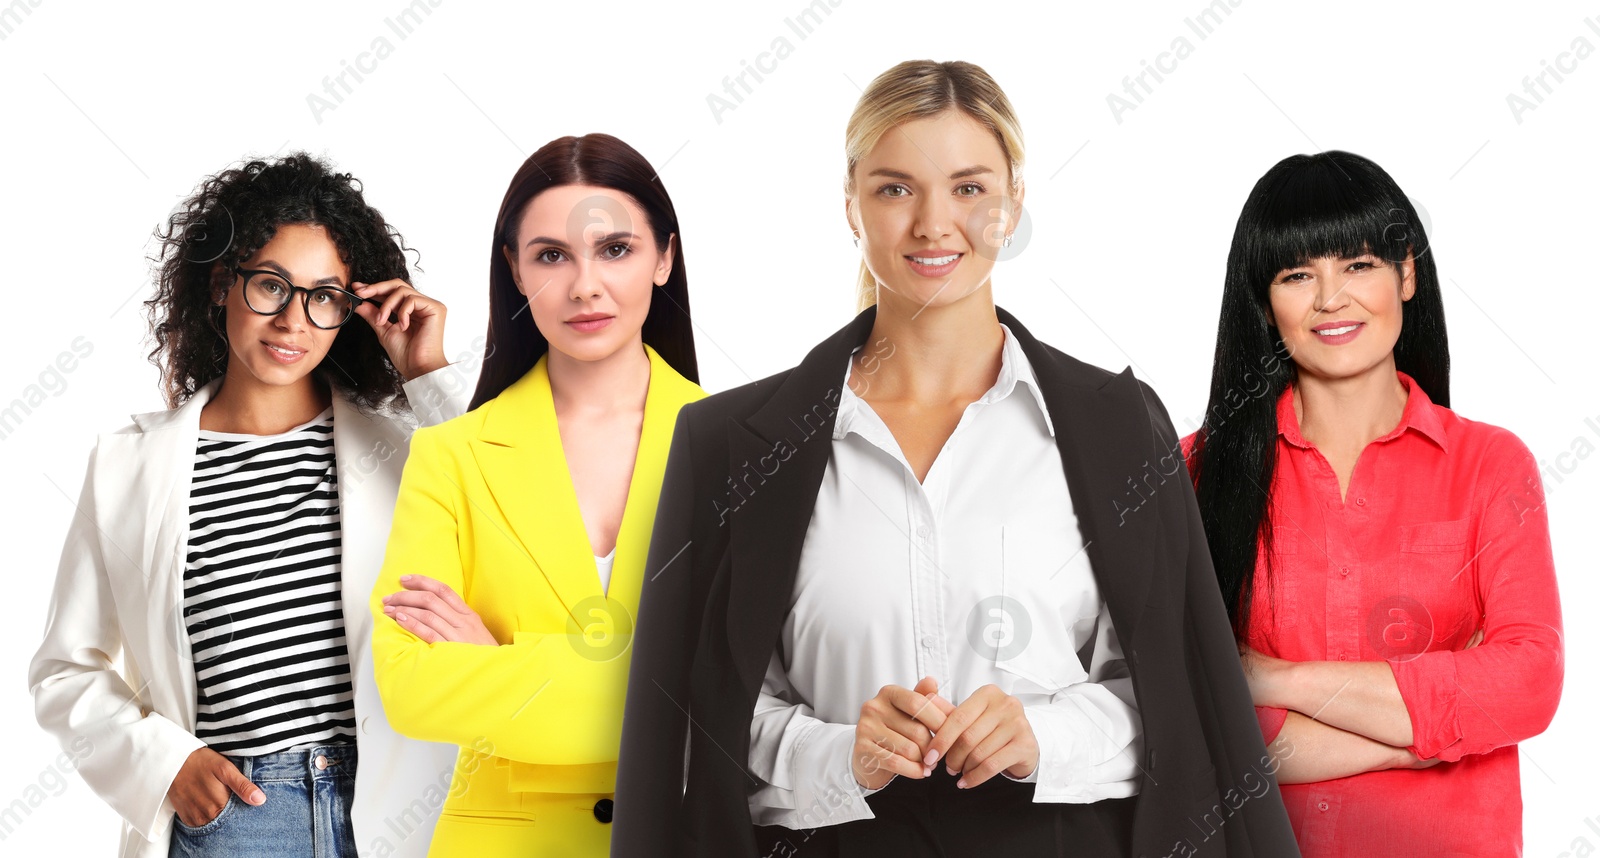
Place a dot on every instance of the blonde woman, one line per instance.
(896, 587)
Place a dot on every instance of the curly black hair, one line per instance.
(229, 217)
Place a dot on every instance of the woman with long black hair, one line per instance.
(224, 547)
(1386, 562)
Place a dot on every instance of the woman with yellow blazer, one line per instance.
(503, 612)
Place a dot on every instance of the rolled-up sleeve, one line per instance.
(1505, 689)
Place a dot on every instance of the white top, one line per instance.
(603, 564)
(262, 602)
(975, 576)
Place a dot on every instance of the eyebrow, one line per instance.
(284, 272)
(556, 242)
(974, 170)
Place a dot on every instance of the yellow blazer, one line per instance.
(487, 506)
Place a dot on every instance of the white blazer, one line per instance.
(119, 591)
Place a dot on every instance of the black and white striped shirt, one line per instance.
(261, 594)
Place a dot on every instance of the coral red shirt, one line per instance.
(1442, 532)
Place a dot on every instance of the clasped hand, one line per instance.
(906, 731)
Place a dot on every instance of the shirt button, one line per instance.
(1322, 805)
(929, 641)
(1344, 570)
(1361, 501)
(602, 810)
(922, 531)
(322, 762)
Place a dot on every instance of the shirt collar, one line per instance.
(1014, 367)
(1420, 414)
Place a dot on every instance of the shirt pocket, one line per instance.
(1435, 537)
(1046, 611)
(1433, 605)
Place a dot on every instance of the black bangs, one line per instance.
(1312, 206)
(1305, 207)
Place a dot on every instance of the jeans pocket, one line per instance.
(210, 827)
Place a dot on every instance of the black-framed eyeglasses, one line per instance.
(268, 293)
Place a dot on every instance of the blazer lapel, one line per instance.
(361, 444)
(1104, 436)
(667, 394)
(519, 452)
(776, 461)
(146, 475)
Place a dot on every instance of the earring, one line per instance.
(1007, 242)
(857, 234)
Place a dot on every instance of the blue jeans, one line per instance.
(307, 811)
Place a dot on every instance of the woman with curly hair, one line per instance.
(224, 548)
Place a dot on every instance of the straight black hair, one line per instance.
(514, 344)
(1306, 207)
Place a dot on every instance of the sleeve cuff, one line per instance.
(438, 396)
(153, 822)
(1428, 686)
(1085, 754)
(823, 789)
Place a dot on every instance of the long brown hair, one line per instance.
(514, 344)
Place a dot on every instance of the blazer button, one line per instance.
(602, 810)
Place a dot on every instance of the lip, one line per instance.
(272, 351)
(1351, 330)
(590, 322)
(926, 270)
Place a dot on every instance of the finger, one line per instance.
(896, 742)
(918, 706)
(872, 757)
(233, 779)
(368, 311)
(1003, 759)
(390, 303)
(955, 724)
(424, 601)
(374, 291)
(917, 736)
(956, 758)
(421, 622)
(433, 585)
(406, 308)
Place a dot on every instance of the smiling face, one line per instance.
(932, 203)
(587, 263)
(1340, 317)
(282, 349)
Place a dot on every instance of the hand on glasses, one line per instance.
(409, 324)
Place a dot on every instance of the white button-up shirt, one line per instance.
(976, 575)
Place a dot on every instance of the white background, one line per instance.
(113, 112)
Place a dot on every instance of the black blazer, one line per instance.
(722, 567)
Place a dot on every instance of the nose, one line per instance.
(586, 285)
(1331, 292)
(293, 316)
(933, 217)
